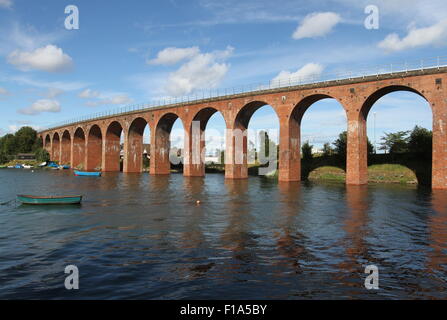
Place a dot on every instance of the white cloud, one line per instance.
(53, 93)
(89, 94)
(433, 35)
(201, 71)
(4, 92)
(310, 70)
(13, 128)
(316, 25)
(49, 58)
(172, 55)
(42, 105)
(39, 83)
(5, 3)
(117, 99)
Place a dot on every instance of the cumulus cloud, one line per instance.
(310, 70)
(49, 58)
(117, 99)
(5, 4)
(203, 70)
(89, 94)
(171, 55)
(316, 24)
(433, 35)
(42, 105)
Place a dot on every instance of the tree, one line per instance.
(340, 144)
(26, 138)
(3, 157)
(395, 142)
(420, 141)
(306, 150)
(8, 144)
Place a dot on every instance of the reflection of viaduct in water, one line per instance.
(96, 143)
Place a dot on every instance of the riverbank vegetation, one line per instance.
(24, 140)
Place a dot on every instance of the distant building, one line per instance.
(26, 156)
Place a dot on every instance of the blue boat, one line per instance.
(26, 199)
(87, 174)
(52, 165)
(18, 166)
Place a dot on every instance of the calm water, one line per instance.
(139, 236)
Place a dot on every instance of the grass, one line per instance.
(328, 173)
(378, 173)
(391, 173)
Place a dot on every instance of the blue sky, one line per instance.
(140, 51)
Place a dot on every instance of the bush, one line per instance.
(42, 155)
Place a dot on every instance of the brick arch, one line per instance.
(357, 155)
(290, 137)
(195, 147)
(66, 148)
(236, 160)
(94, 148)
(160, 142)
(381, 92)
(300, 108)
(47, 142)
(245, 113)
(112, 146)
(133, 154)
(55, 147)
(79, 152)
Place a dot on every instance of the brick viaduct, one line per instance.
(95, 143)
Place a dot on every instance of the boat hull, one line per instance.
(49, 200)
(87, 174)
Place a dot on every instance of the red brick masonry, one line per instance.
(96, 143)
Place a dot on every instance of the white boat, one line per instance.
(43, 164)
(27, 167)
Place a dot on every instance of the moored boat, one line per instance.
(27, 199)
(87, 173)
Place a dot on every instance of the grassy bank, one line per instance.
(378, 173)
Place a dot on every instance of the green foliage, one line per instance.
(340, 144)
(306, 150)
(420, 141)
(42, 155)
(23, 141)
(396, 142)
(145, 162)
(26, 138)
(3, 157)
(8, 144)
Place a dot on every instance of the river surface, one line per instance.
(137, 236)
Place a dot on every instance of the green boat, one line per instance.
(25, 199)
